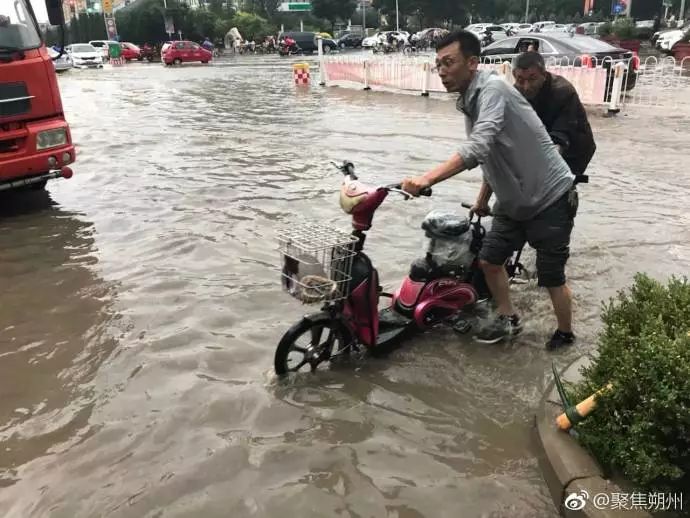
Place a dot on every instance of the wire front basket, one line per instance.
(316, 262)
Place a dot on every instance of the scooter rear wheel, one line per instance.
(312, 342)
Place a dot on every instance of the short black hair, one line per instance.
(469, 43)
(528, 60)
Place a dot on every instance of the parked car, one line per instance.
(588, 28)
(85, 55)
(308, 43)
(427, 38)
(61, 64)
(542, 26)
(566, 48)
(497, 31)
(477, 28)
(178, 52)
(557, 27)
(517, 28)
(130, 51)
(668, 39)
(351, 40)
(104, 47)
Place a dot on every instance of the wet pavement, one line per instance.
(141, 306)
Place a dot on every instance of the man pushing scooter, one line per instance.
(536, 201)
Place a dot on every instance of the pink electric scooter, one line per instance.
(323, 265)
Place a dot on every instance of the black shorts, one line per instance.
(548, 232)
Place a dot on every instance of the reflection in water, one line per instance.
(53, 327)
(184, 418)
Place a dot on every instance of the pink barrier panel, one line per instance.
(590, 83)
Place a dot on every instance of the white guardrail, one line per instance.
(608, 83)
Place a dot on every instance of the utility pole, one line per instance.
(397, 16)
(364, 20)
(527, 12)
(682, 10)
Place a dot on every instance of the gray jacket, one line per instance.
(519, 161)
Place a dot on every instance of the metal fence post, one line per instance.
(426, 79)
(322, 63)
(617, 88)
(366, 75)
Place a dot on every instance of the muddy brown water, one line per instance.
(140, 309)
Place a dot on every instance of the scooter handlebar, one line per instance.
(427, 191)
(469, 207)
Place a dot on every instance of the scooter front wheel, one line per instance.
(312, 342)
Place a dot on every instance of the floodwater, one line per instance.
(141, 309)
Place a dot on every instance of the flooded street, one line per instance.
(141, 306)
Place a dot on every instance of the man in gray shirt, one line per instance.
(535, 199)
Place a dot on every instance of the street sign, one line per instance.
(110, 27)
(619, 6)
(295, 7)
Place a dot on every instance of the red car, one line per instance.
(130, 51)
(176, 52)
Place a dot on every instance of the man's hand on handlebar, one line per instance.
(415, 185)
(480, 209)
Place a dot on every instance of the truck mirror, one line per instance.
(56, 15)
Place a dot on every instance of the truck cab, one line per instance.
(35, 140)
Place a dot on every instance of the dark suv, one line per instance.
(307, 41)
(350, 40)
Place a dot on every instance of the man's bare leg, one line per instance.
(562, 300)
(499, 286)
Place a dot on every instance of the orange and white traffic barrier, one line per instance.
(300, 72)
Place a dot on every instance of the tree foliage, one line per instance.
(144, 22)
(333, 10)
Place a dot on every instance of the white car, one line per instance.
(62, 63)
(477, 28)
(104, 46)
(542, 26)
(498, 32)
(85, 55)
(371, 41)
(517, 28)
(589, 28)
(668, 39)
(558, 27)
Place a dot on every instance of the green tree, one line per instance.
(252, 26)
(333, 10)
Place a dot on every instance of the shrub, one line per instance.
(605, 29)
(642, 426)
(624, 28)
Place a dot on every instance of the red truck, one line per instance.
(35, 141)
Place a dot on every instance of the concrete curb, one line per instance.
(566, 466)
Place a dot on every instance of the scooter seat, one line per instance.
(445, 225)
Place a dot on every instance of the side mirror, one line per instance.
(56, 15)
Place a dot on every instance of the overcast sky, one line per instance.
(40, 10)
